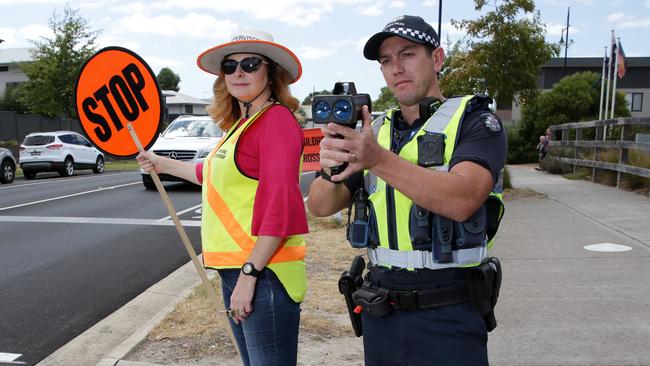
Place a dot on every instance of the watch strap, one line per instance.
(327, 177)
(254, 272)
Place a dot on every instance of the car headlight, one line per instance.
(203, 154)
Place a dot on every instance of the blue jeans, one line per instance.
(269, 335)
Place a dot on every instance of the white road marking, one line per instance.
(607, 247)
(57, 180)
(180, 212)
(95, 220)
(10, 358)
(67, 196)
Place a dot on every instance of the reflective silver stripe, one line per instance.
(377, 123)
(424, 259)
(370, 179)
(439, 120)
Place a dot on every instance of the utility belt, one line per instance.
(480, 288)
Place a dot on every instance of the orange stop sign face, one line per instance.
(116, 87)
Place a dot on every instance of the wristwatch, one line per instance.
(249, 269)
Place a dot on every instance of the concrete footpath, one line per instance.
(560, 303)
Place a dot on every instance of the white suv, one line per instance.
(188, 138)
(61, 151)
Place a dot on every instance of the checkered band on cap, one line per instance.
(415, 34)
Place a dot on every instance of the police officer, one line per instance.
(429, 173)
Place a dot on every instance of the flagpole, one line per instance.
(609, 75)
(602, 87)
(615, 77)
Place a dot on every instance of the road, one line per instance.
(74, 250)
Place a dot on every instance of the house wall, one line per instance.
(14, 74)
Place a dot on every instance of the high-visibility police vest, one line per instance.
(228, 198)
(391, 208)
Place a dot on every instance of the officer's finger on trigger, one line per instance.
(339, 130)
(328, 132)
(367, 120)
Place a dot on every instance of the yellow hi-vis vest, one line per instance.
(228, 198)
(391, 208)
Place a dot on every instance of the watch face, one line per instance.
(247, 268)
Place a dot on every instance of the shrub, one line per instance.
(520, 151)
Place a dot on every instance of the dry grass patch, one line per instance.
(511, 194)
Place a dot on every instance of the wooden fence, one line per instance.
(624, 142)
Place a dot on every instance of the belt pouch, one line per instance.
(471, 233)
(420, 228)
(373, 300)
(443, 233)
(481, 285)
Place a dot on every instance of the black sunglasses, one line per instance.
(249, 65)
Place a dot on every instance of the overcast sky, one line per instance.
(327, 35)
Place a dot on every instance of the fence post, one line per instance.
(600, 131)
(575, 148)
(626, 134)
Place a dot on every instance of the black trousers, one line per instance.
(450, 335)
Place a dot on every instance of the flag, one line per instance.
(621, 61)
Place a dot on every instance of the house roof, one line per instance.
(13, 55)
(558, 62)
(173, 97)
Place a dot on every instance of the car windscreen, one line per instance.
(38, 140)
(193, 128)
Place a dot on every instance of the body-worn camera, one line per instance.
(343, 107)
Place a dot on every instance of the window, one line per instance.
(634, 101)
(82, 141)
(38, 140)
(68, 139)
(4, 68)
(189, 109)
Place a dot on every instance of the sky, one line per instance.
(327, 35)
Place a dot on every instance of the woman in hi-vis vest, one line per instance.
(253, 212)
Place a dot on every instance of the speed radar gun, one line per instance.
(343, 107)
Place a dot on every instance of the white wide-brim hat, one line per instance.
(251, 41)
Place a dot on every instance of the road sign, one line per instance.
(311, 153)
(115, 88)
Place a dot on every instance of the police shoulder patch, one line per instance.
(492, 123)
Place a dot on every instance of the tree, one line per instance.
(575, 98)
(504, 52)
(168, 80)
(385, 101)
(57, 62)
(12, 99)
(457, 76)
(308, 99)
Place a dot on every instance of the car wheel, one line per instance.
(7, 172)
(99, 165)
(148, 182)
(29, 174)
(68, 167)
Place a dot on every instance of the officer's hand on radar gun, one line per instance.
(147, 161)
(358, 148)
(329, 156)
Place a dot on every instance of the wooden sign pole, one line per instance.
(186, 241)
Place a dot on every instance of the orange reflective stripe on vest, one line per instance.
(283, 254)
(228, 220)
